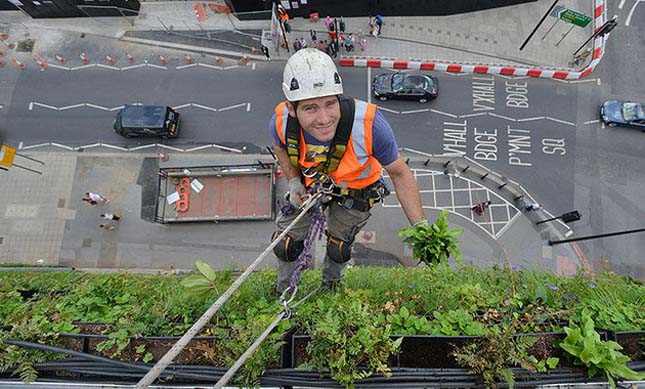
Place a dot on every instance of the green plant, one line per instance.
(205, 282)
(348, 335)
(493, 354)
(455, 323)
(584, 343)
(404, 323)
(433, 244)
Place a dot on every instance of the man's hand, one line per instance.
(296, 192)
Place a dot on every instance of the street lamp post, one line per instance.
(566, 217)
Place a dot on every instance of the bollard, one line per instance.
(447, 163)
(41, 63)
(4, 36)
(484, 176)
(503, 185)
(2, 64)
(254, 50)
(163, 59)
(407, 161)
(426, 162)
(11, 45)
(518, 198)
(84, 58)
(466, 168)
(111, 60)
(164, 157)
(18, 63)
(245, 59)
(189, 59)
(130, 56)
(218, 60)
(60, 59)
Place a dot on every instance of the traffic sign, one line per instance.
(7, 155)
(571, 16)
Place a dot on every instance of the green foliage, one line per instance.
(347, 335)
(433, 244)
(206, 281)
(456, 322)
(584, 343)
(404, 323)
(493, 354)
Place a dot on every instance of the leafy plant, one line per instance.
(433, 244)
(584, 343)
(347, 336)
(404, 323)
(455, 323)
(493, 354)
(203, 283)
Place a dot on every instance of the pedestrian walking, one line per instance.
(296, 45)
(111, 216)
(95, 198)
(481, 207)
(378, 20)
(321, 46)
(349, 42)
(341, 24)
(303, 43)
(265, 51)
(312, 33)
(370, 24)
(305, 130)
(328, 23)
(333, 49)
(532, 207)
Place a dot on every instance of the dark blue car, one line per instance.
(614, 112)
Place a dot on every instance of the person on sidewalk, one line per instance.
(328, 23)
(378, 20)
(532, 207)
(312, 34)
(106, 226)
(95, 198)
(341, 24)
(296, 45)
(111, 216)
(319, 129)
(265, 51)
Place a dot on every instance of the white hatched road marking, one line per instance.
(142, 65)
(96, 106)
(388, 110)
(631, 13)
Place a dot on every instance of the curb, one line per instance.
(197, 49)
(600, 11)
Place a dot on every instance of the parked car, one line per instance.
(614, 112)
(405, 86)
(147, 120)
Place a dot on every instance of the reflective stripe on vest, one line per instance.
(358, 168)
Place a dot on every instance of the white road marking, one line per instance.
(20, 146)
(622, 2)
(100, 65)
(631, 13)
(204, 107)
(470, 115)
(117, 108)
(114, 147)
(190, 65)
(31, 105)
(529, 119)
(231, 67)
(62, 146)
(253, 66)
(232, 107)
(389, 110)
(182, 106)
(44, 106)
(157, 66)
(97, 106)
(83, 67)
(141, 65)
(53, 65)
(584, 80)
(210, 66)
(599, 81)
(198, 148)
(444, 113)
(501, 116)
(592, 121)
(560, 121)
(415, 111)
(603, 125)
(248, 107)
(71, 106)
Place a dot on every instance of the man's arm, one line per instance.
(283, 159)
(406, 189)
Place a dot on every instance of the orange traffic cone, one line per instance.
(111, 60)
(189, 59)
(18, 63)
(130, 56)
(84, 58)
(163, 59)
(218, 60)
(60, 59)
(41, 62)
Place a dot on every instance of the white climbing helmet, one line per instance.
(310, 73)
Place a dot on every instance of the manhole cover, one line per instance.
(26, 45)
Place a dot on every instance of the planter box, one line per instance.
(633, 343)
(431, 352)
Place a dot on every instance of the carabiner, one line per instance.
(285, 303)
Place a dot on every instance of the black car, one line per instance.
(405, 86)
(147, 120)
(614, 112)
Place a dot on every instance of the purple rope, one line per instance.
(317, 222)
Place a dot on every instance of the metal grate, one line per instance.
(26, 45)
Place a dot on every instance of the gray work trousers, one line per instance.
(342, 223)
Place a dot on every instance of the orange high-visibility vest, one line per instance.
(358, 167)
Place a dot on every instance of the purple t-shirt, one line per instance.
(384, 144)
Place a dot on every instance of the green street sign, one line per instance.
(571, 16)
